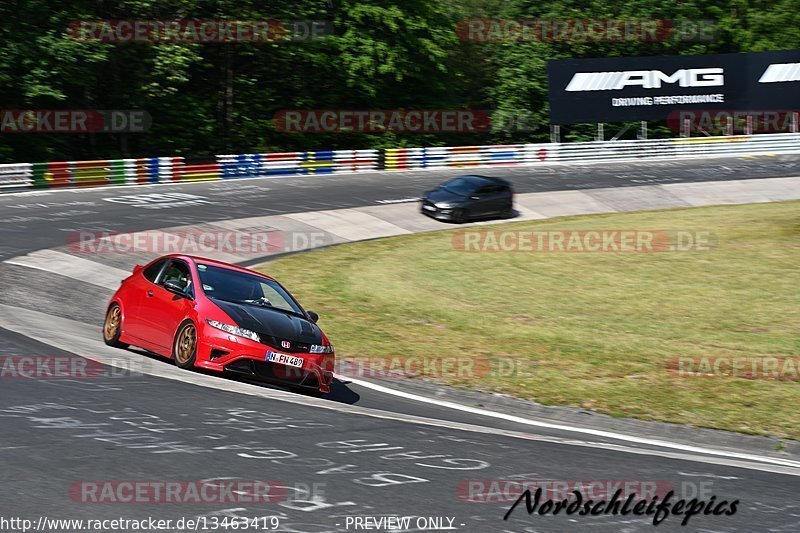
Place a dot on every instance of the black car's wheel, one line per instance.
(112, 327)
(184, 348)
(508, 212)
(459, 216)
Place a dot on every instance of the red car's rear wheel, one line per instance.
(112, 327)
(184, 349)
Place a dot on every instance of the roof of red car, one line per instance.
(214, 262)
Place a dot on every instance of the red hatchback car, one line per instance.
(213, 315)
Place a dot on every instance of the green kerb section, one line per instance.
(39, 172)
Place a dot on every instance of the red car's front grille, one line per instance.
(294, 347)
(273, 372)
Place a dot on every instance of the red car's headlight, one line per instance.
(234, 330)
(321, 348)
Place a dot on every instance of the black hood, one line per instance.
(443, 195)
(272, 326)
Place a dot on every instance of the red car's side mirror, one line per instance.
(137, 269)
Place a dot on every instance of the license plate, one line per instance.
(428, 208)
(284, 359)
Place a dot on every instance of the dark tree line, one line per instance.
(214, 98)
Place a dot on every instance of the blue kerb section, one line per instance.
(251, 165)
(242, 166)
(153, 166)
(325, 158)
(282, 171)
(229, 169)
(501, 155)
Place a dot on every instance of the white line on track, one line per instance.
(572, 429)
(399, 201)
(705, 474)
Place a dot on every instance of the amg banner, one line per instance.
(618, 89)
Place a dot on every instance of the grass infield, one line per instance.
(598, 330)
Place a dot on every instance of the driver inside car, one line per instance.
(180, 278)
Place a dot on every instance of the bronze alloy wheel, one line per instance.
(112, 327)
(186, 346)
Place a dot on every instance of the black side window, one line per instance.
(177, 272)
(151, 272)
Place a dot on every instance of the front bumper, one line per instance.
(220, 351)
(438, 213)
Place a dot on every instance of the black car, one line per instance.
(469, 197)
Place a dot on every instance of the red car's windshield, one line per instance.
(239, 287)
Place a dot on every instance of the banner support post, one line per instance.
(621, 132)
(601, 135)
(794, 121)
(643, 130)
(686, 129)
(555, 133)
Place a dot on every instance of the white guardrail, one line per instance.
(518, 154)
(170, 170)
(734, 145)
(16, 176)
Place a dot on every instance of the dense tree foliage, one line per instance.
(208, 98)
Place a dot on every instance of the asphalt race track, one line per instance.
(359, 452)
(39, 220)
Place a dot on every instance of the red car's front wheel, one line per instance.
(184, 349)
